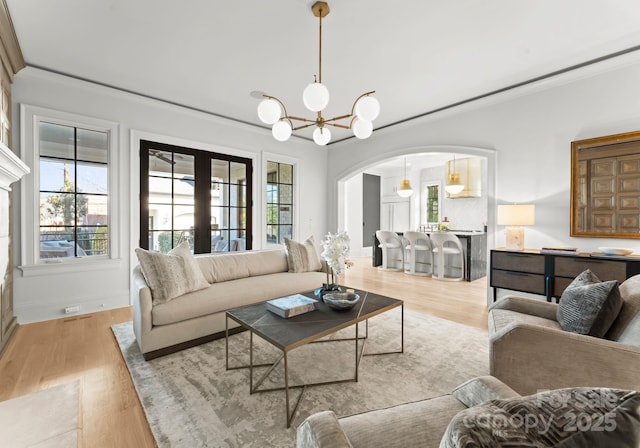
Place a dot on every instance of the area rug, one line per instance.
(44, 419)
(191, 400)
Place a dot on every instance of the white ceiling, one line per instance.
(419, 55)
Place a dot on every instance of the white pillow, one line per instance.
(171, 275)
(302, 257)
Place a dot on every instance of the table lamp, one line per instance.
(513, 216)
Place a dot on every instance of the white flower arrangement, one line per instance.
(335, 252)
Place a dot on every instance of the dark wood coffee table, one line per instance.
(294, 332)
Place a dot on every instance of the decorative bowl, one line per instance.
(341, 300)
(615, 250)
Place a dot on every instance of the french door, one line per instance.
(193, 195)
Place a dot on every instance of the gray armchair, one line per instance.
(530, 351)
(421, 423)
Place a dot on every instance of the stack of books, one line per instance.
(290, 306)
(559, 250)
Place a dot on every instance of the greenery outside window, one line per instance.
(280, 204)
(432, 206)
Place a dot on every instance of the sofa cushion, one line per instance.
(589, 306)
(302, 257)
(223, 296)
(417, 424)
(560, 418)
(232, 266)
(626, 328)
(167, 275)
(222, 267)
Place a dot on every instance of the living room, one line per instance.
(522, 123)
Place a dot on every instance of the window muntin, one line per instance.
(279, 202)
(73, 191)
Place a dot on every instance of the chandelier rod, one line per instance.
(320, 49)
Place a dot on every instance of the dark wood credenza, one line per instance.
(549, 274)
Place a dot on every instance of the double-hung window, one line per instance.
(70, 198)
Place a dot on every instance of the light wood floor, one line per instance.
(45, 354)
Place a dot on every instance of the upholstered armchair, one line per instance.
(530, 351)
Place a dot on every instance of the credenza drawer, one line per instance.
(514, 261)
(604, 269)
(518, 281)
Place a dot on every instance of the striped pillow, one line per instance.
(302, 257)
(589, 306)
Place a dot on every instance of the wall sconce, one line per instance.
(514, 216)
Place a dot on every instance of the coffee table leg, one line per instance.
(286, 387)
(226, 339)
(402, 329)
(357, 357)
(250, 362)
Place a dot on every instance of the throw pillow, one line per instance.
(168, 276)
(572, 417)
(302, 257)
(589, 306)
(193, 273)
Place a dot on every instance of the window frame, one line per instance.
(278, 158)
(202, 243)
(425, 196)
(30, 119)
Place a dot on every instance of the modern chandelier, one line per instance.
(315, 96)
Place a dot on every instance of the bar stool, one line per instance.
(445, 243)
(418, 246)
(390, 242)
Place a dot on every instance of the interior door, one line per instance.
(370, 207)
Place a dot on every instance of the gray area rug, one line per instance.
(191, 400)
(47, 418)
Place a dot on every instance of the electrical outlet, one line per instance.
(71, 309)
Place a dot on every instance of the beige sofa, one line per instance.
(530, 351)
(197, 317)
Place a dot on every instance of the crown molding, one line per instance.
(10, 52)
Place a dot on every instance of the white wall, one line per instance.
(527, 135)
(41, 297)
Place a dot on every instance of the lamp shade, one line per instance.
(516, 215)
(405, 189)
(315, 96)
(454, 186)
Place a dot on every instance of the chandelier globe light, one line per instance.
(315, 97)
(321, 136)
(361, 128)
(281, 131)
